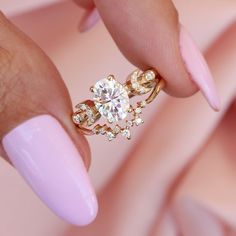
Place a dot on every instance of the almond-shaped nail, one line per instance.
(198, 69)
(89, 20)
(46, 157)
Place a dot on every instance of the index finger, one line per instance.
(149, 34)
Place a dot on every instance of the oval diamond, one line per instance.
(111, 99)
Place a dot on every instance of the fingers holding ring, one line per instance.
(111, 101)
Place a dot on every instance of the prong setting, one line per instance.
(111, 100)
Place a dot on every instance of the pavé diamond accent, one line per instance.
(126, 133)
(110, 135)
(111, 100)
(138, 110)
(116, 129)
(88, 111)
(129, 123)
(77, 118)
(150, 75)
(138, 121)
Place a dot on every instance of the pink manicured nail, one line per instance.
(46, 157)
(89, 20)
(198, 68)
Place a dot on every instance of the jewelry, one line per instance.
(111, 100)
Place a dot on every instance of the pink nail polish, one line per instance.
(89, 20)
(198, 68)
(43, 153)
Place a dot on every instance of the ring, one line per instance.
(111, 101)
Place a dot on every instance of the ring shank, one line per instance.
(154, 85)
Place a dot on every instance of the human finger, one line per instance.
(36, 131)
(149, 35)
(144, 186)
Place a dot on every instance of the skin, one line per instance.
(27, 71)
(140, 198)
(149, 44)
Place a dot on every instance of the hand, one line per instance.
(180, 178)
(36, 130)
(28, 142)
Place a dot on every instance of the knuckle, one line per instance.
(23, 74)
(5, 65)
(12, 82)
(20, 86)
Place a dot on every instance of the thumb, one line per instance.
(149, 34)
(37, 134)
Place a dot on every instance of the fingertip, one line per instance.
(89, 20)
(151, 41)
(198, 69)
(46, 157)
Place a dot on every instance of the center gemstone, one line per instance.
(111, 99)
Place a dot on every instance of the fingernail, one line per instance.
(89, 20)
(198, 69)
(45, 156)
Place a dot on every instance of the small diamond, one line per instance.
(110, 135)
(135, 85)
(82, 107)
(134, 76)
(116, 129)
(130, 109)
(126, 133)
(89, 112)
(102, 130)
(138, 110)
(77, 118)
(149, 75)
(96, 129)
(85, 109)
(90, 121)
(142, 90)
(129, 123)
(133, 79)
(138, 121)
(142, 104)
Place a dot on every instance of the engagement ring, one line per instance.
(111, 101)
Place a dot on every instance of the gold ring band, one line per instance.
(111, 100)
